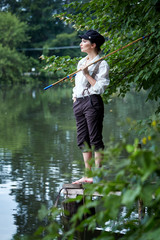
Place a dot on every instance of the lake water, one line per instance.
(38, 151)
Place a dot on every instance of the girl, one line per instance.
(87, 103)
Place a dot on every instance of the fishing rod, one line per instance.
(74, 73)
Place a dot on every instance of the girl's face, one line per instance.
(87, 46)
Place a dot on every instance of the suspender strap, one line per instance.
(95, 71)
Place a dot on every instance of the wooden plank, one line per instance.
(77, 189)
(68, 191)
(72, 186)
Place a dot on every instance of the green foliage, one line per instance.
(12, 66)
(12, 31)
(12, 34)
(43, 30)
(52, 230)
(53, 63)
(122, 22)
(62, 40)
(38, 16)
(67, 64)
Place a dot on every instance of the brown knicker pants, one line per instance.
(89, 113)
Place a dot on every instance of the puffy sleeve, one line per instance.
(102, 78)
(74, 94)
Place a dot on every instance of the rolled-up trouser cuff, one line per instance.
(87, 149)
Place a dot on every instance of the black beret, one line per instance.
(94, 37)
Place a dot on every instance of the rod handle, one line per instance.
(48, 87)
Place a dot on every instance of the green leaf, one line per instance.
(129, 148)
(130, 195)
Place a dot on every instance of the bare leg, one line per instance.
(87, 157)
(98, 159)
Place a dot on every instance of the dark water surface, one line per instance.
(38, 151)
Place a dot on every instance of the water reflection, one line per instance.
(8, 208)
(38, 151)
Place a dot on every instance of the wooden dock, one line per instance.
(74, 190)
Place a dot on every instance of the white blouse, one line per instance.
(102, 79)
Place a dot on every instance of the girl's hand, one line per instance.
(85, 70)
